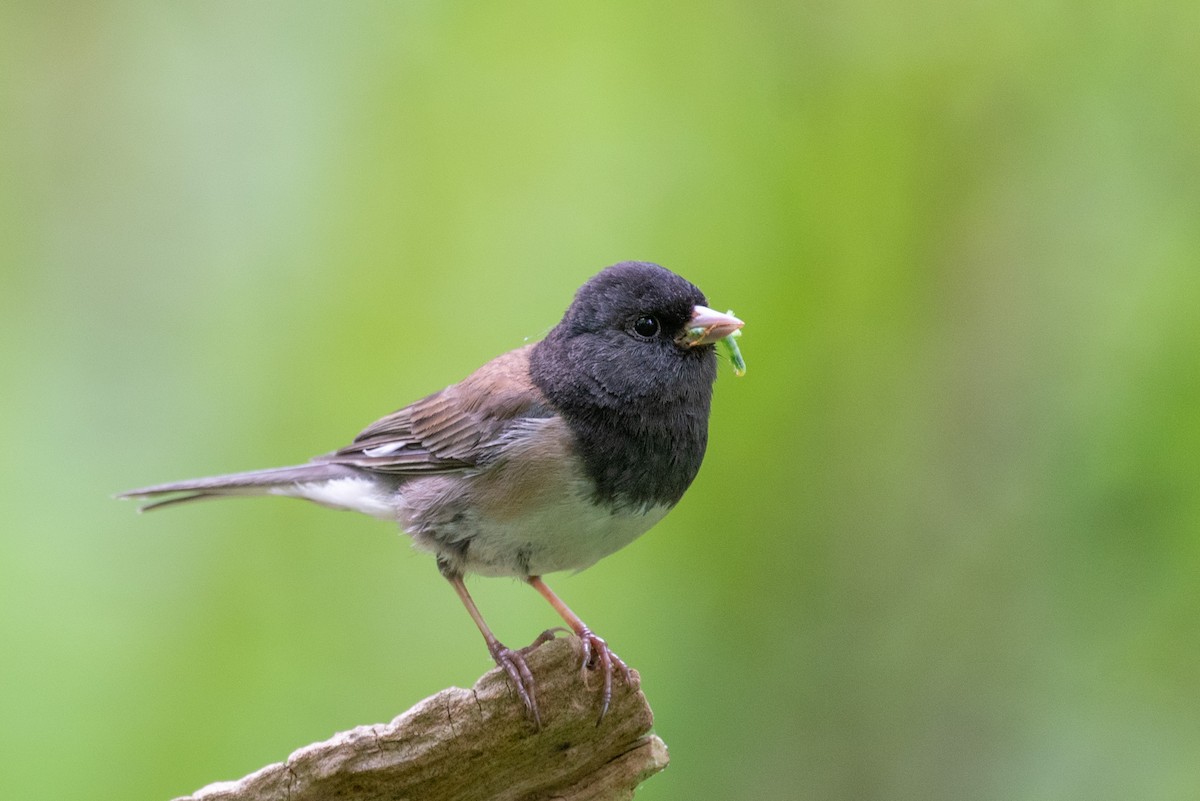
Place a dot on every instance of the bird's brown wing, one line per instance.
(456, 429)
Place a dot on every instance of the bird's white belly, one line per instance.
(570, 536)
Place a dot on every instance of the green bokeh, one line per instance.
(945, 544)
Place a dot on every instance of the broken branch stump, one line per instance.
(478, 744)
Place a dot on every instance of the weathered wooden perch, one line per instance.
(478, 744)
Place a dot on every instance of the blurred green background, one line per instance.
(945, 544)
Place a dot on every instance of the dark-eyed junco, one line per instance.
(546, 458)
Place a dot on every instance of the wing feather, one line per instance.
(457, 429)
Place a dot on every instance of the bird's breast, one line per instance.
(533, 510)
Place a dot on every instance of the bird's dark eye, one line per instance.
(646, 326)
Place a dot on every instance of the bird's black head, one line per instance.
(632, 374)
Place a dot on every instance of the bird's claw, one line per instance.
(519, 674)
(597, 655)
(546, 636)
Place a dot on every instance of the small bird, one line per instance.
(548, 457)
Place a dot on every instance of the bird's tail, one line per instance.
(254, 482)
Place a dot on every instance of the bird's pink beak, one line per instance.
(708, 326)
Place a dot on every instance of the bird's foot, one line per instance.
(543, 638)
(519, 674)
(598, 656)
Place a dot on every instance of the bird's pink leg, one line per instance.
(512, 661)
(596, 653)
